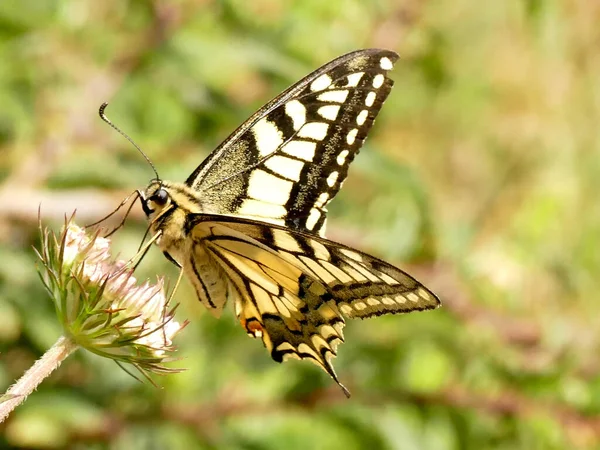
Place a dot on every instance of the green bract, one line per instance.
(100, 304)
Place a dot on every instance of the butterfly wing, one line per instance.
(285, 163)
(293, 288)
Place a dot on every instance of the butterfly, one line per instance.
(248, 225)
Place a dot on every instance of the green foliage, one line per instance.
(480, 176)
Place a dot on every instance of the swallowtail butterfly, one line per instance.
(248, 225)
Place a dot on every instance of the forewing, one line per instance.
(286, 162)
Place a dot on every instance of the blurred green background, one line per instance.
(480, 177)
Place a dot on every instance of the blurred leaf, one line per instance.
(427, 368)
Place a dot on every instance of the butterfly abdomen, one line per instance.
(207, 277)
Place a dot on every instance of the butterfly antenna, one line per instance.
(107, 120)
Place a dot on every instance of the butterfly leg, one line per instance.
(170, 258)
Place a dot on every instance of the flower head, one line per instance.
(100, 304)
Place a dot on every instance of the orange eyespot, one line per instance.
(254, 328)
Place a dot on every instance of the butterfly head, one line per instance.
(161, 196)
(156, 198)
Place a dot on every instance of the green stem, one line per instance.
(43, 367)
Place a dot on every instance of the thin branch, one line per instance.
(42, 368)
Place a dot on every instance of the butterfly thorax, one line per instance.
(168, 207)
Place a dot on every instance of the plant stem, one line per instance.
(43, 367)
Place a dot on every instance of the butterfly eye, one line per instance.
(160, 197)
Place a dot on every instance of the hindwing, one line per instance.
(287, 161)
(292, 289)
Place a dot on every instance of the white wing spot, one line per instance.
(268, 137)
(286, 167)
(341, 158)
(346, 309)
(350, 254)
(388, 301)
(400, 299)
(320, 83)
(412, 297)
(314, 130)
(297, 112)
(423, 294)
(333, 96)
(378, 81)
(351, 136)
(387, 279)
(257, 208)
(269, 188)
(360, 305)
(354, 79)
(313, 218)
(332, 178)
(301, 149)
(322, 200)
(373, 301)
(370, 98)
(385, 63)
(329, 112)
(362, 116)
